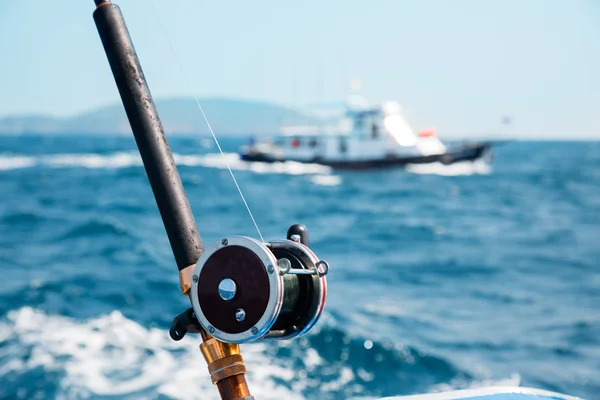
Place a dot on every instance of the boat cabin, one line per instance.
(362, 133)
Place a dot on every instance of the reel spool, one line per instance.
(244, 290)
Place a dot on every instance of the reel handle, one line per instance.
(183, 323)
(298, 233)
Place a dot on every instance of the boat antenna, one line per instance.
(236, 287)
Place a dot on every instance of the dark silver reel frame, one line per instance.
(278, 258)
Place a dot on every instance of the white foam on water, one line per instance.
(346, 376)
(130, 159)
(326, 180)
(215, 160)
(14, 162)
(93, 161)
(478, 167)
(112, 355)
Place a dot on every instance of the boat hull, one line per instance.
(455, 154)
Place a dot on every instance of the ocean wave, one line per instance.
(14, 162)
(93, 161)
(132, 159)
(216, 160)
(326, 180)
(111, 355)
(479, 273)
(464, 168)
(21, 217)
(114, 356)
(97, 228)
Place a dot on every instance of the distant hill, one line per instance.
(178, 115)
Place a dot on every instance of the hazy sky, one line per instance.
(456, 65)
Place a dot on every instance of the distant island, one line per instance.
(180, 116)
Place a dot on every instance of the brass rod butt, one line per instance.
(234, 388)
(226, 368)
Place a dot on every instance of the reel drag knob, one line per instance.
(247, 290)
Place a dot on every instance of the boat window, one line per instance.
(358, 122)
(343, 145)
(312, 143)
(374, 130)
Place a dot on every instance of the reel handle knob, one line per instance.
(299, 230)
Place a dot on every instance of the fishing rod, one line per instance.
(240, 289)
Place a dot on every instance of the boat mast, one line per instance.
(165, 181)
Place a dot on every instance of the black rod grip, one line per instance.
(147, 129)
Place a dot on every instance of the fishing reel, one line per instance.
(244, 290)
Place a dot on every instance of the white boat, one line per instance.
(365, 136)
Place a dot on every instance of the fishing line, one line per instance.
(186, 76)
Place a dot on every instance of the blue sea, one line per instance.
(442, 277)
